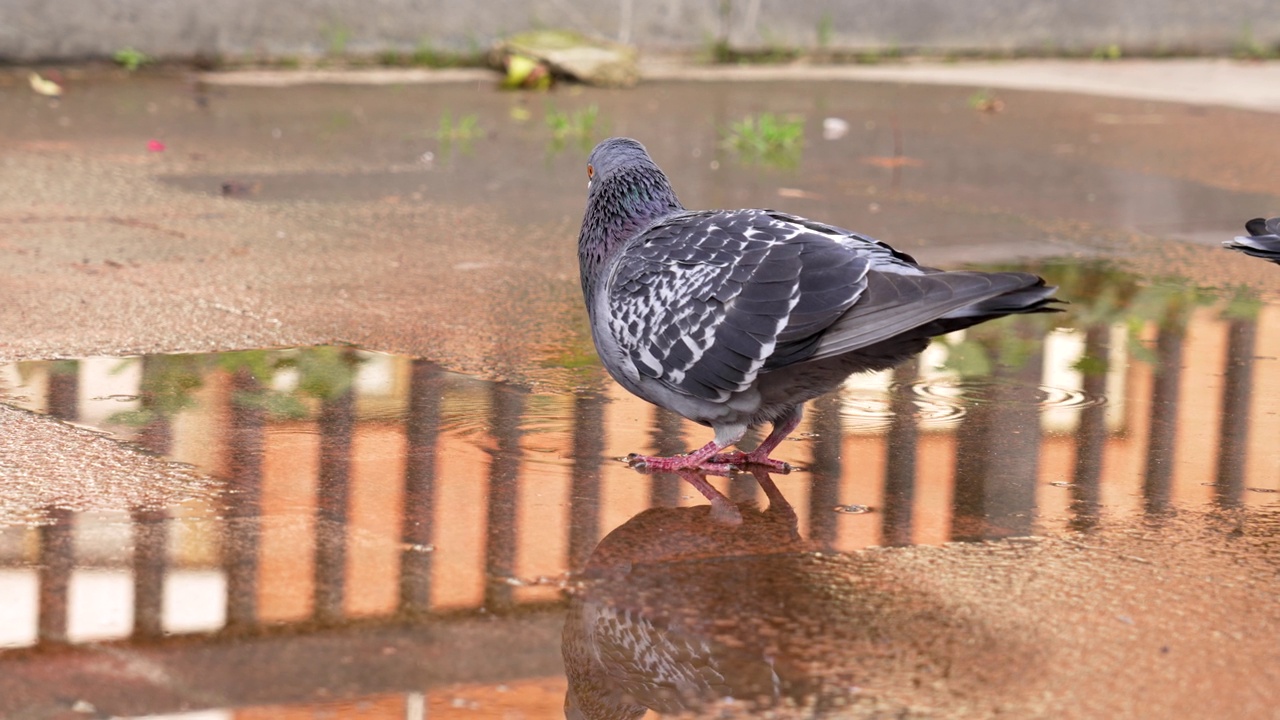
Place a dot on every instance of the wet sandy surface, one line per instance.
(213, 555)
(337, 230)
(47, 464)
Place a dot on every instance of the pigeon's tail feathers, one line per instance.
(930, 304)
(1260, 247)
(1263, 240)
(1031, 296)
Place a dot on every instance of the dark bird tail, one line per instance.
(903, 306)
(1030, 294)
(1263, 240)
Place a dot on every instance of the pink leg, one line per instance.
(771, 491)
(760, 456)
(702, 459)
(723, 510)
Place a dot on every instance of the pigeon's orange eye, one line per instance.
(591, 172)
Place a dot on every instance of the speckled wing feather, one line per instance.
(666, 671)
(703, 301)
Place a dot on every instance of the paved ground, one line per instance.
(1226, 83)
(1247, 85)
(147, 214)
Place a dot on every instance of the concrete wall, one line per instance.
(34, 30)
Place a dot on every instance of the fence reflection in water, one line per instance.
(391, 491)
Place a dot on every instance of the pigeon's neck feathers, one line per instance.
(627, 199)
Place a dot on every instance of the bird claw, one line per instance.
(719, 464)
(677, 463)
(744, 461)
(636, 461)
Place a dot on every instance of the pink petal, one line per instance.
(155, 146)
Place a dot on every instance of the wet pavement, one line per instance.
(410, 503)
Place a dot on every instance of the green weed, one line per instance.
(826, 29)
(579, 125)
(131, 58)
(1107, 52)
(1247, 47)
(466, 128)
(985, 101)
(336, 37)
(767, 139)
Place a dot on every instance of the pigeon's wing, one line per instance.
(882, 256)
(901, 296)
(1263, 240)
(702, 302)
(897, 303)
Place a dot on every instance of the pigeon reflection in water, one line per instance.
(1263, 240)
(685, 614)
(624, 656)
(735, 318)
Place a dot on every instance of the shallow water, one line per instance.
(1067, 515)
(355, 488)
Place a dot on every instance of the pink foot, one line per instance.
(678, 463)
(737, 458)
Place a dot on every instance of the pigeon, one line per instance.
(1263, 240)
(735, 318)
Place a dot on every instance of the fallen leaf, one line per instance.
(892, 162)
(834, 128)
(984, 101)
(45, 87)
(798, 193)
(235, 188)
(1115, 119)
(526, 72)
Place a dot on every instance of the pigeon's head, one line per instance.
(625, 183)
(612, 157)
(626, 193)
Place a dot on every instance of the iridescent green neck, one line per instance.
(619, 206)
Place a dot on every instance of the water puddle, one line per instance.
(351, 488)
(349, 483)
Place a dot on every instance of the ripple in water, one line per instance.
(866, 412)
(949, 399)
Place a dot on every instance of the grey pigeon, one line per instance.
(734, 318)
(1263, 240)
